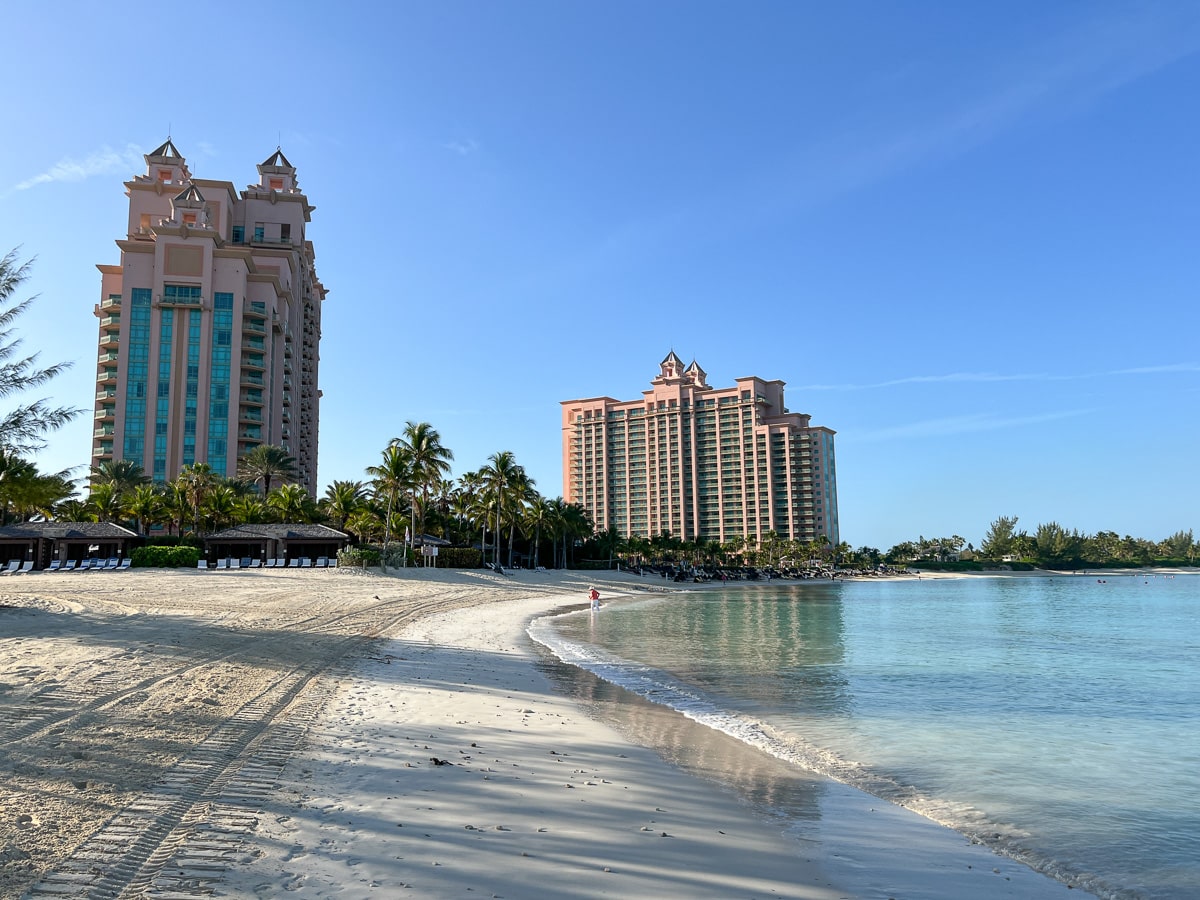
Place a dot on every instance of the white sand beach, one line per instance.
(262, 734)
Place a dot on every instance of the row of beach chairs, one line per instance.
(112, 564)
(298, 562)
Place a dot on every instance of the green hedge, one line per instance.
(459, 558)
(158, 557)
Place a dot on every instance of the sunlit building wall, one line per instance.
(699, 462)
(210, 325)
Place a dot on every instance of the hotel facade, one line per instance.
(704, 463)
(210, 325)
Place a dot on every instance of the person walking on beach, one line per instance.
(594, 596)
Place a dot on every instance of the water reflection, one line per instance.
(773, 787)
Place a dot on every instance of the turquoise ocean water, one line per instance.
(1056, 719)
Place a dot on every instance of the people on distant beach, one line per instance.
(594, 596)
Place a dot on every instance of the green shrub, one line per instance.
(160, 557)
(459, 558)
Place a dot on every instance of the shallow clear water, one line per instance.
(1057, 719)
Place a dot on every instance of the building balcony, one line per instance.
(250, 433)
(252, 361)
(255, 345)
(103, 450)
(252, 398)
(112, 302)
(192, 302)
(110, 339)
(107, 375)
(109, 394)
(106, 412)
(245, 414)
(252, 327)
(256, 308)
(110, 321)
(110, 356)
(252, 378)
(104, 431)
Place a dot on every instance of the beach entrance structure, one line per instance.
(275, 542)
(42, 542)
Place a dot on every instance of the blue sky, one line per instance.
(966, 236)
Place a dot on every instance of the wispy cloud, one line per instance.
(992, 377)
(961, 425)
(462, 148)
(105, 161)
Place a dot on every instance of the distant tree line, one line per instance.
(1050, 546)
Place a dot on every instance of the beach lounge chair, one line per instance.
(269, 562)
(84, 565)
(202, 564)
(113, 562)
(235, 563)
(294, 562)
(68, 566)
(305, 562)
(13, 565)
(222, 563)
(26, 567)
(322, 562)
(55, 565)
(125, 564)
(254, 563)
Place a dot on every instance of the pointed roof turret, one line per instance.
(190, 197)
(166, 151)
(670, 367)
(695, 374)
(277, 161)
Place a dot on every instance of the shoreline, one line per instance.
(116, 685)
(544, 792)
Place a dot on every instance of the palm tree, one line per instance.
(220, 507)
(577, 524)
(521, 494)
(429, 462)
(537, 517)
(176, 504)
(196, 480)
(23, 428)
(265, 462)
(499, 475)
(392, 478)
(145, 504)
(122, 474)
(105, 503)
(609, 541)
(290, 502)
(250, 509)
(342, 499)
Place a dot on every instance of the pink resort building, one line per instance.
(704, 463)
(210, 325)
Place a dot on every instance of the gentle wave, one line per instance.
(662, 688)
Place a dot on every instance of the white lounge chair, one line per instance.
(26, 567)
(305, 562)
(255, 563)
(125, 564)
(113, 562)
(13, 565)
(322, 562)
(294, 562)
(69, 566)
(202, 564)
(269, 562)
(235, 563)
(280, 562)
(222, 563)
